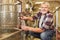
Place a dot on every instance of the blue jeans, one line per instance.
(46, 35)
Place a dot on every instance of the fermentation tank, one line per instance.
(9, 12)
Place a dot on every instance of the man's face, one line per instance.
(44, 8)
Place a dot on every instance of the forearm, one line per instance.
(38, 30)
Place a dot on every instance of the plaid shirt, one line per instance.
(47, 21)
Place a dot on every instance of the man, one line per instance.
(45, 28)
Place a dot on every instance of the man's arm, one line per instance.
(38, 30)
(27, 28)
(31, 18)
(26, 18)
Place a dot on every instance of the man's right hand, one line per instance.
(26, 18)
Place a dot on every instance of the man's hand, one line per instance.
(26, 18)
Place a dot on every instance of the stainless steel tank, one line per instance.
(8, 20)
(8, 14)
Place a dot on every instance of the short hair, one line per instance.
(46, 3)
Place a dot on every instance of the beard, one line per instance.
(44, 12)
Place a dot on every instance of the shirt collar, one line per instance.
(45, 13)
